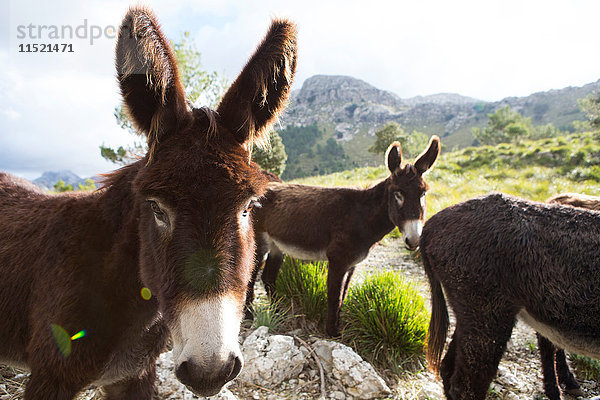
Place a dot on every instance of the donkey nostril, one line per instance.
(237, 367)
(183, 373)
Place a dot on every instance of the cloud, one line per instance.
(56, 109)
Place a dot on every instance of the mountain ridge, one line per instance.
(350, 111)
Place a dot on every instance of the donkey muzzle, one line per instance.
(411, 232)
(204, 381)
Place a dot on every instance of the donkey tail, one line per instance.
(438, 325)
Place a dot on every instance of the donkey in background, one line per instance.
(174, 225)
(498, 257)
(554, 361)
(340, 225)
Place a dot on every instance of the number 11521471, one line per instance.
(46, 48)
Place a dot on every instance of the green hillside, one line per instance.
(533, 169)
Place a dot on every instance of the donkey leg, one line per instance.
(262, 248)
(132, 369)
(139, 388)
(272, 267)
(479, 348)
(447, 367)
(547, 355)
(43, 386)
(336, 282)
(565, 376)
(347, 278)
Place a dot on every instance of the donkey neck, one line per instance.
(120, 212)
(376, 217)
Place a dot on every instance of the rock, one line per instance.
(356, 376)
(337, 395)
(431, 390)
(270, 359)
(507, 378)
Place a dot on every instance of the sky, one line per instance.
(56, 109)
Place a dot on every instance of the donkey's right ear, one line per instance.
(147, 72)
(393, 157)
(261, 90)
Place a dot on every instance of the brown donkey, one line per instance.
(339, 224)
(92, 284)
(498, 257)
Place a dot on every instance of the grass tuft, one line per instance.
(305, 284)
(585, 367)
(385, 319)
(273, 314)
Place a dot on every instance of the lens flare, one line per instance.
(146, 293)
(62, 339)
(202, 270)
(78, 335)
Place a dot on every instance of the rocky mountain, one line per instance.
(49, 178)
(350, 110)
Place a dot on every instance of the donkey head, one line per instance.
(407, 188)
(195, 188)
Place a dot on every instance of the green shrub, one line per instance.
(585, 367)
(385, 319)
(270, 314)
(305, 284)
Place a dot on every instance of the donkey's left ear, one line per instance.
(393, 157)
(148, 77)
(260, 92)
(428, 158)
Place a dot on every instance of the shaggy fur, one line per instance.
(175, 222)
(577, 200)
(497, 257)
(554, 362)
(338, 224)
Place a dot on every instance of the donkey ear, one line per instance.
(148, 77)
(393, 157)
(260, 92)
(428, 158)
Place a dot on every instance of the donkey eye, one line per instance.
(399, 198)
(249, 207)
(158, 213)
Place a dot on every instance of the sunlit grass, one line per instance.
(534, 170)
(305, 284)
(385, 319)
(273, 314)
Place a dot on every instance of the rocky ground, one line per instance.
(519, 375)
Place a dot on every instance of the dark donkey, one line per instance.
(554, 361)
(340, 224)
(498, 257)
(174, 226)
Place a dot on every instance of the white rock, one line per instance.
(337, 395)
(270, 359)
(357, 376)
(505, 377)
(431, 390)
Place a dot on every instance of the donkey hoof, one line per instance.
(333, 332)
(575, 392)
